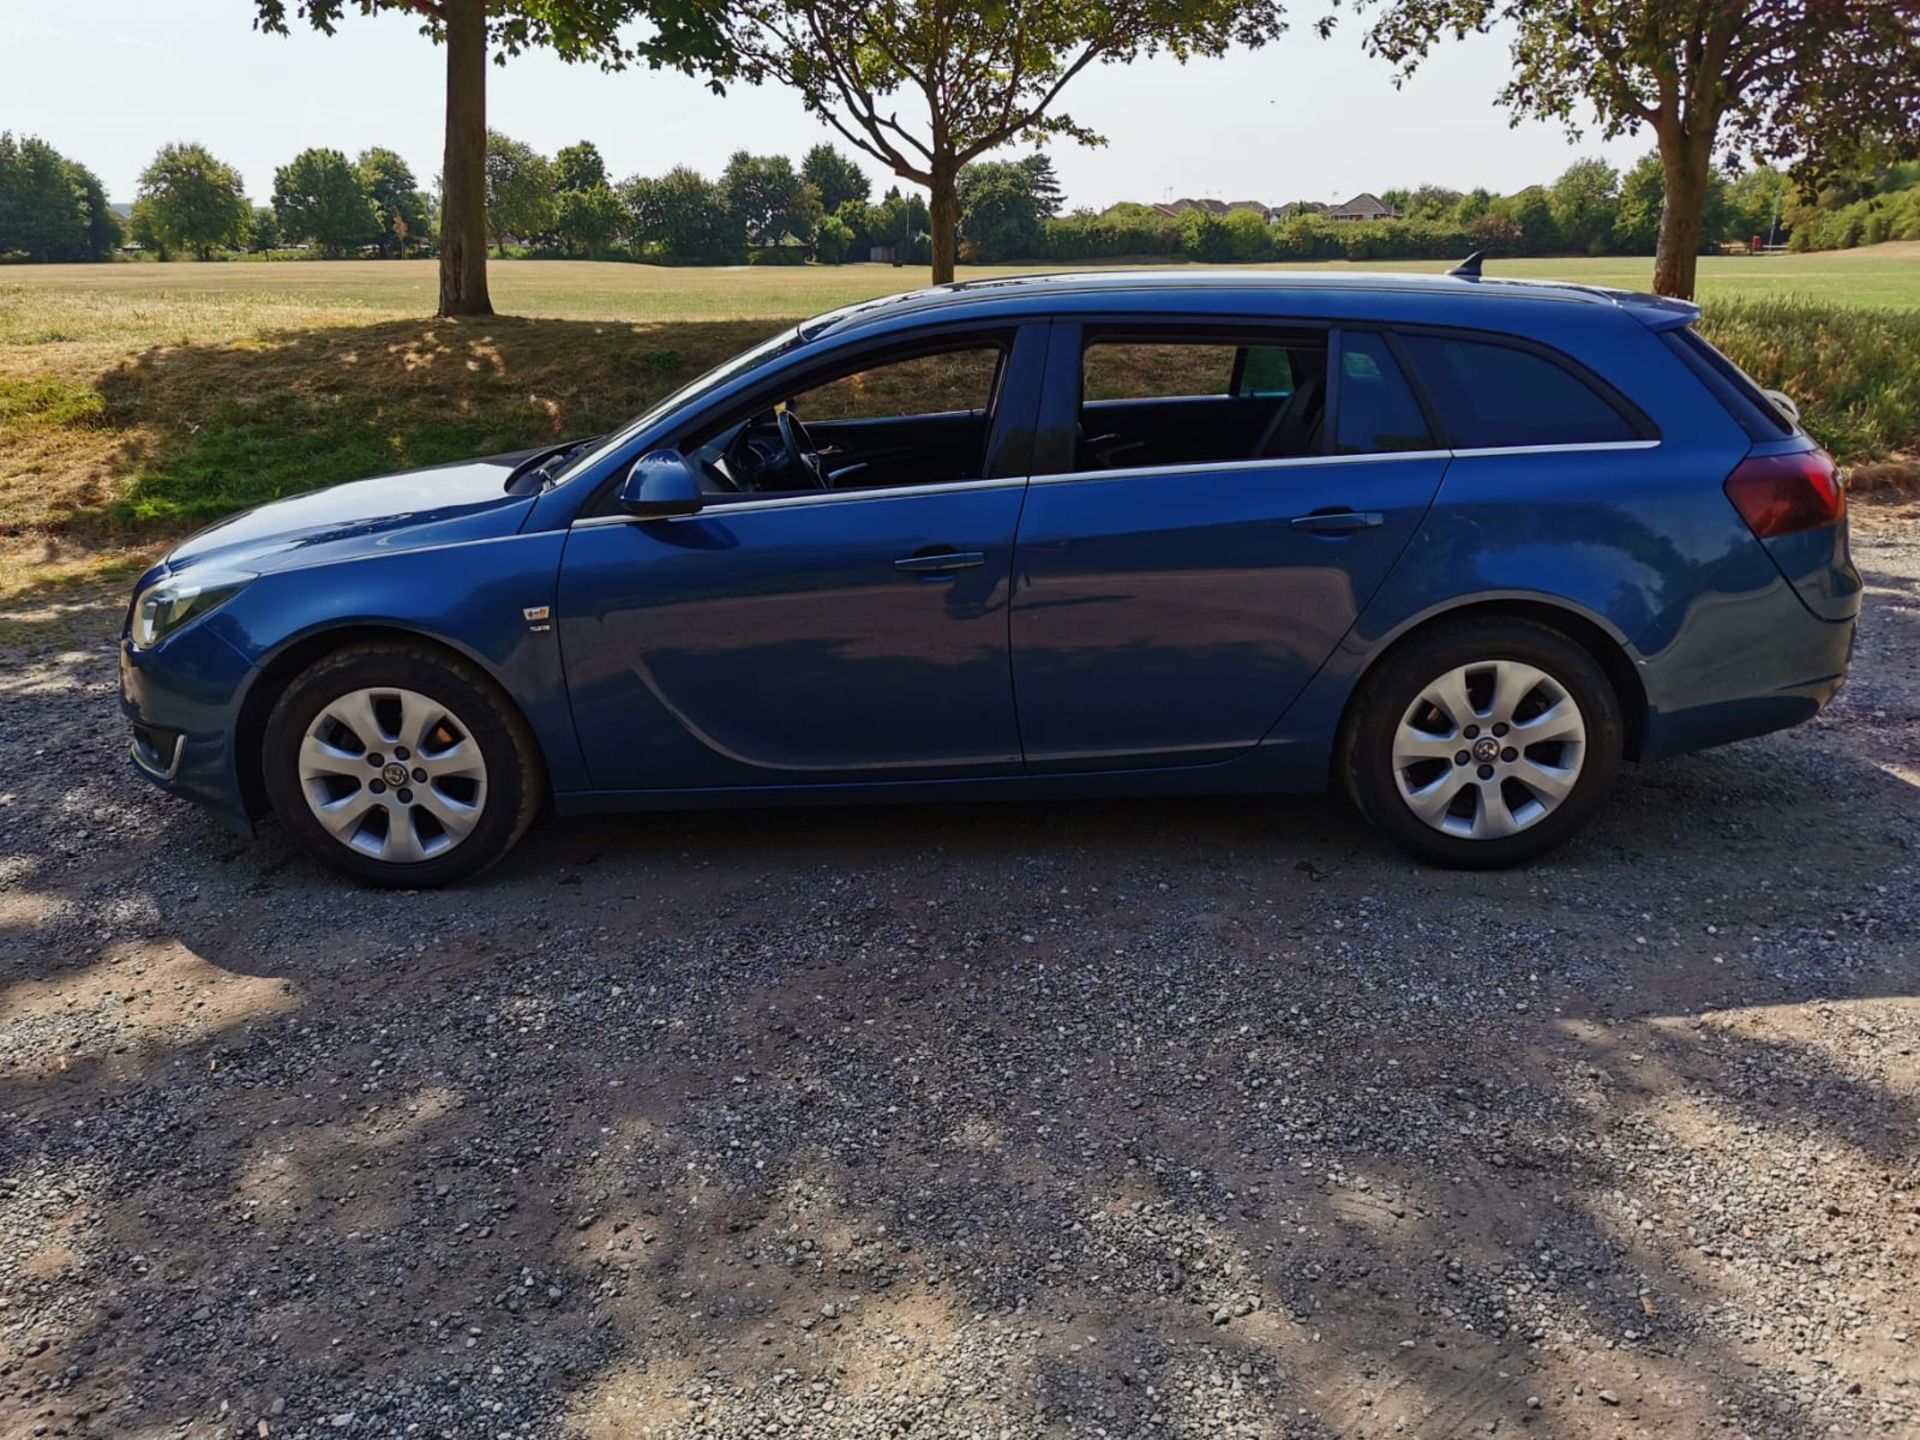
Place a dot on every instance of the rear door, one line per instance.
(1176, 586)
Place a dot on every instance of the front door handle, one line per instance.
(941, 562)
(1338, 522)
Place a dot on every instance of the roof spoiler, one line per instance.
(1469, 268)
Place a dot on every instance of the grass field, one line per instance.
(138, 400)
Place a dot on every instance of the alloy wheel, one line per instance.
(393, 774)
(1489, 749)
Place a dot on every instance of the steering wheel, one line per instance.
(802, 455)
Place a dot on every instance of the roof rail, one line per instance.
(1469, 268)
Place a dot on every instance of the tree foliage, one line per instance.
(403, 212)
(319, 198)
(52, 208)
(1806, 80)
(835, 176)
(682, 218)
(999, 214)
(579, 167)
(979, 75)
(519, 191)
(190, 201)
(770, 199)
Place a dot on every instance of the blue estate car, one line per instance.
(1455, 545)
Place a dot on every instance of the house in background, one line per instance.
(1174, 209)
(1364, 206)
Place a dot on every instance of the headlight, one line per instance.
(180, 598)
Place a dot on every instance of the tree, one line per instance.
(836, 177)
(318, 198)
(770, 199)
(52, 208)
(1775, 78)
(265, 232)
(1759, 201)
(999, 219)
(402, 210)
(1636, 220)
(980, 75)
(833, 239)
(585, 221)
(519, 190)
(1583, 201)
(190, 201)
(1532, 212)
(579, 167)
(682, 218)
(1043, 184)
(681, 36)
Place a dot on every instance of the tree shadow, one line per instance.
(202, 429)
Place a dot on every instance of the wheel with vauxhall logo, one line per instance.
(401, 765)
(1484, 744)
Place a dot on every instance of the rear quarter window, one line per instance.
(1731, 386)
(1491, 396)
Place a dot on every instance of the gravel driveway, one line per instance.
(1141, 1119)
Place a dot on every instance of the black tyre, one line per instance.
(401, 765)
(1483, 744)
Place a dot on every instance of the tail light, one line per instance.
(1785, 494)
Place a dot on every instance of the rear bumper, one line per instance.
(180, 700)
(1759, 665)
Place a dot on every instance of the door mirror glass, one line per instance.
(660, 484)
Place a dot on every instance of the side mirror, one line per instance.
(660, 484)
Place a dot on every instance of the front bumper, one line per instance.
(182, 701)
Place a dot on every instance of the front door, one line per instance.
(845, 621)
(1177, 588)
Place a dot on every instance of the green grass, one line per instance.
(138, 400)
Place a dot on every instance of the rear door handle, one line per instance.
(941, 562)
(1338, 522)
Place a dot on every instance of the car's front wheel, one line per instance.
(1484, 744)
(400, 765)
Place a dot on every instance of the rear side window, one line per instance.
(1493, 396)
(1378, 411)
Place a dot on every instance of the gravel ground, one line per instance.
(1156, 1119)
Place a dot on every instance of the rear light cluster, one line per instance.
(1785, 494)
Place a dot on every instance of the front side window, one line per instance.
(1492, 396)
(920, 418)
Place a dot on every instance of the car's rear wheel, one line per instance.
(1483, 744)
(401, 766)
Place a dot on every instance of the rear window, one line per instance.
(1732, 386)
(1493, 396)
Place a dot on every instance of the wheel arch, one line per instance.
(279, 670)
(1608, 649)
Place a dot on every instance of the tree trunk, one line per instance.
(943, 208)
(463, 212)
(1685, 160)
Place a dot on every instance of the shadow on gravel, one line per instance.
(1188, 1118)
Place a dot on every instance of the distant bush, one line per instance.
(777, 255)
(1855, 373)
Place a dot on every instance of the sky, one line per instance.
(107, 81)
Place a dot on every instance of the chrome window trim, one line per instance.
(1571, 448)
(811, 497)
(1284, 462)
